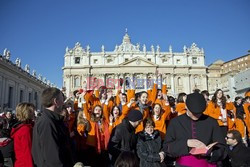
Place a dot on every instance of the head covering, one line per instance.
(196, 103)
(135, 115)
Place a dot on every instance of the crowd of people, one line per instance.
(148, 128)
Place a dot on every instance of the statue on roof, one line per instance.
(158, 48)
(184, 48)
(144, 48)
(34, 73)
(67, 49)
(138, 46)
(116, 47)
(5, 52)
(103, 49)
(27, 68)
(8, 55)
(40, 77)
(18, 62)
(194, 48)
(88, 48)
(170, 49)
(77, 44)
(152, 48)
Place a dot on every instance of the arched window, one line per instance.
(179, 81)
(77, 81)
(196, 81)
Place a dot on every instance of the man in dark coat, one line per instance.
(239, 154)
(123, 137)
(50, 144)
(194, 130)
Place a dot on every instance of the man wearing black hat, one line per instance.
(123, 137)
(194, 130)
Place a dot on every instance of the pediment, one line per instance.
(138, 61)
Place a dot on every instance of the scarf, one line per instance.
(102, 135)
(141, 106)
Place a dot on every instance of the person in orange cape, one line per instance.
(181, 106)
(98, 135)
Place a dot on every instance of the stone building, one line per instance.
(183, 71)
(19, 85)
(231, 76)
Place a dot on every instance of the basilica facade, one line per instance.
(132, 63)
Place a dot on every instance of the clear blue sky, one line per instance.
(38, 31)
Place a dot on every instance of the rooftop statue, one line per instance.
(34, 73)
(158, 48)
(27, 68)
(138, 46)
(103, 49)
(40, 77)
(7, 55)
(88, 48)
(5, 52)
(18, 62)
(170, 49)
(152, 48)
(144, 48)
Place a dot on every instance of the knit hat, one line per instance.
(135, 115)
(196, 103)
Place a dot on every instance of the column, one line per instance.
(172, 84)
(188, 83)
(104, 79)
(16, 98)
(3, 95)
(116, 81)
(160, 81)
(146, 81)
(124, 83)
(132, 81)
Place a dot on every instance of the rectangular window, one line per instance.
(109, 60)
(21, 96)
(36, 99)
(194, 60)
(10, 97)
(95, 61)
(30, 98)
(77, 60)
(126, 59)
(178, 61)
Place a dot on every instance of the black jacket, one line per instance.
(148, 149)
(123, 138)
(239, 156)
(205, 129)
(50, 144)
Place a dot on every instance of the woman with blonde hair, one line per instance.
(22, 134)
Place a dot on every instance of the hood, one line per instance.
(145, 136)
(17, 126)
